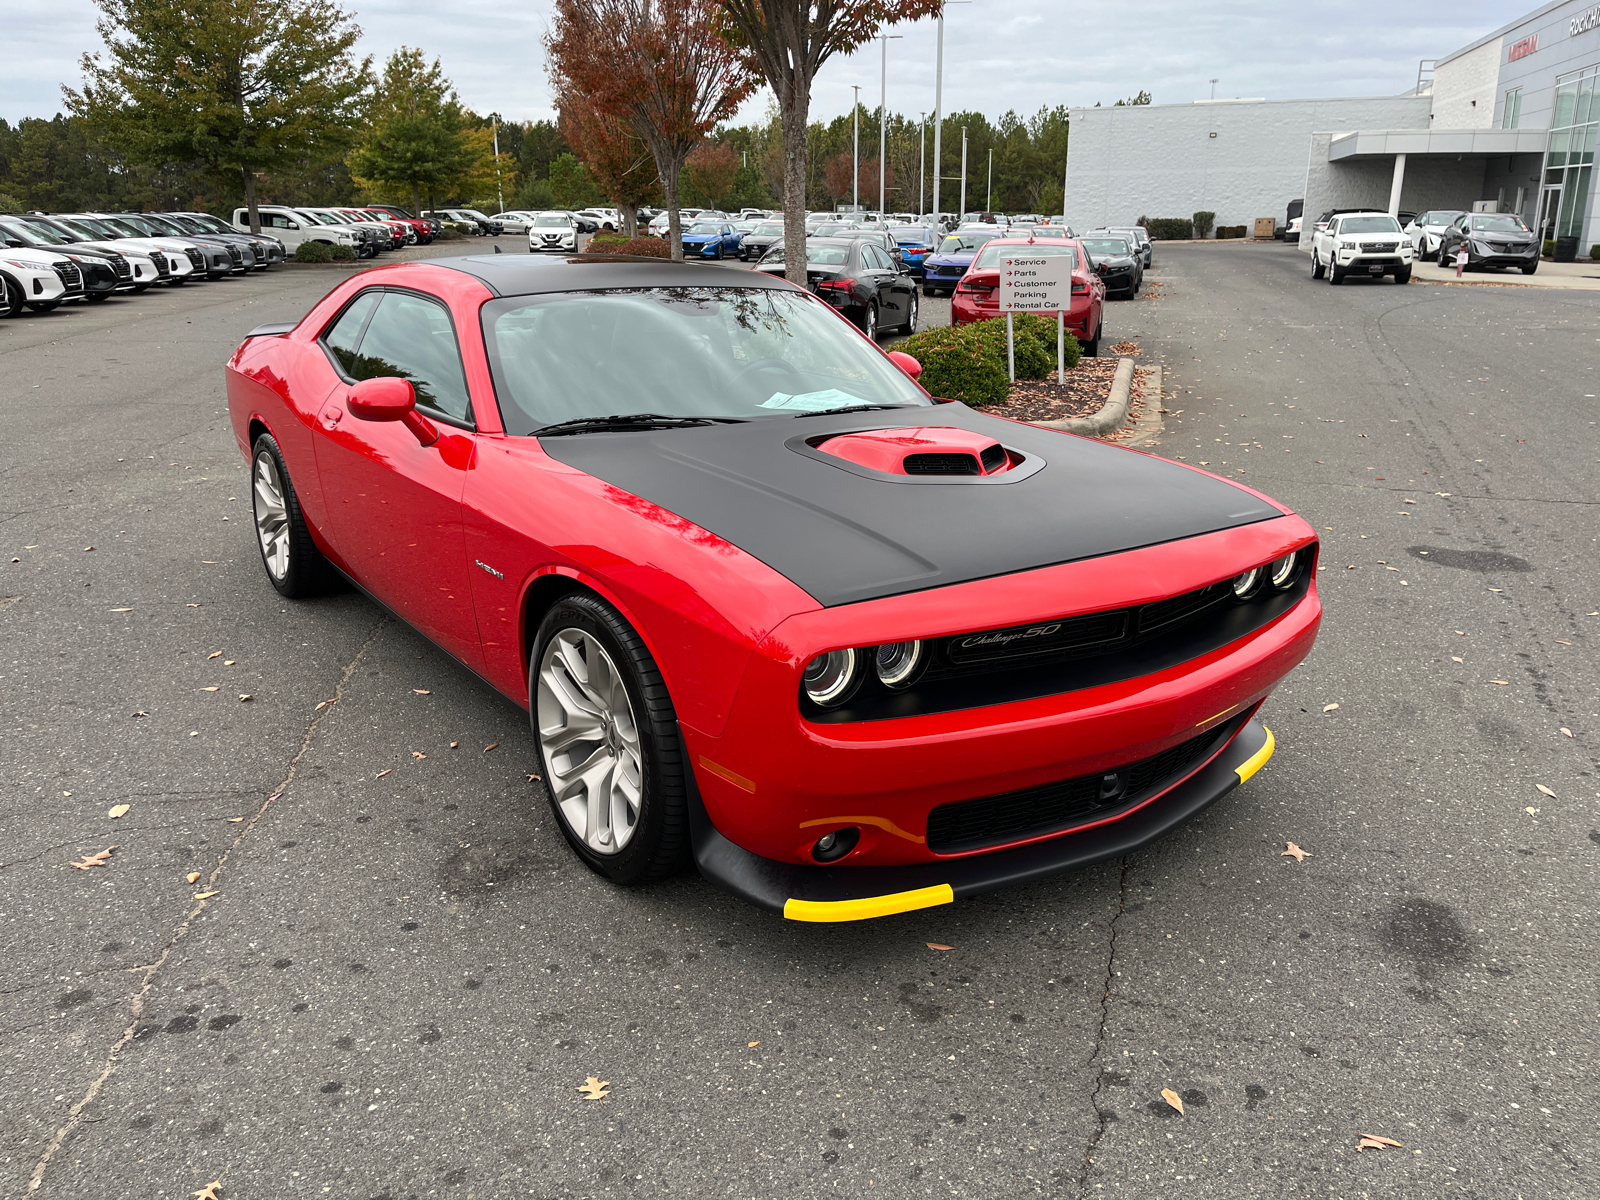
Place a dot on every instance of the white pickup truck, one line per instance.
(291, 227)
(1361, 243)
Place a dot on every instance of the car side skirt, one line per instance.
(844, 893)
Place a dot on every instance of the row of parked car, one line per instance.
(1358, 241)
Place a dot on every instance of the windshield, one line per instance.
(703, 228)
(1106, 247)
(88, 228)
(1499, 223)
(965, 243)
(1047, 231)
(123, 226)
(207, 221)
(912, 237)
(37, 231)
(768, 230)
(990, 256)
(1369, 225)
(161, 225)
(691, 352)
(552, 223)
(472, 212)
(1440, 216)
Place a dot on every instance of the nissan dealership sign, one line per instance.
(1584, 22)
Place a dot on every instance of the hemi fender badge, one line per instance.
(485, 566)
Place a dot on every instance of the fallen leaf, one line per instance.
(1329, 707)
(208, 562)
(1408, 502)
(1171, 1097)
(534, 778)
(1545, 790)
(490, 747)
(422, 691)
(234, 820)
(453, 745)
(1461, 633)
(192, 877)
(204, 895)
(752, 1045)
(141, 713)
(211, 689)
(244, 696)
(118, 810)
(1559, 642)
(218, 654)
(1496, 589)
(227, 662)
(1295, 853)
(1455, 658)
(1566, 731)
(383, 772)
(1501, 682)
(192, 606)
(209, 1192)
(1373, 1142)
(86, 549)
(418, 754)
(122, 610)
(1532, 812)
(595, 1089)
(938, 946)
(95, 860)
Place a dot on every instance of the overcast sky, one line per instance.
(997, 55)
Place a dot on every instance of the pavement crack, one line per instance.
(136, 1000)
(1101, 1120)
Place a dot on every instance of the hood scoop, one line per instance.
(923, 451)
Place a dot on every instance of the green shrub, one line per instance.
(1549, 249)
(1594, 252)
(1203, 221)
(343, 253)
(1044, 330)
(1169, 229)
(606, 243)
(643, 247)
(313, 252)
(968, 362)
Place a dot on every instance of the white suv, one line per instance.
(291, 227)
(1361, 243)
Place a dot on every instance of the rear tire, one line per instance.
(583, 645)
(869, 321)
(914, 312)
(294, 565)
(1316, 266)
(1091, 348)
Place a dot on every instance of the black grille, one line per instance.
(124, 271)
(1042, 637)
(197, 260)
(71, 277)
(942, 464)
(993, 458)
(1166, 612)
(160, 260)
(1379, 247)
(235, 255)
(1012, 816)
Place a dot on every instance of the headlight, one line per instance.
(830, 678)
(1248, 584)
(897, 664)
(1282, 572)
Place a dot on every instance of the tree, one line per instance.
(787, 41)
(571, 185)
(239, 86)
(660, 66)
(617, 161)
(415, 138)
(711, 172)
(1141, 98)
(841, 173)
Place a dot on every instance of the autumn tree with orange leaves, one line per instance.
(838, 176)
(618, 162)
(787, 41)
(661, 66)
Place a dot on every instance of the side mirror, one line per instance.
(389, 398)
(906, 363)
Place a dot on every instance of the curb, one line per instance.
(1112, 415)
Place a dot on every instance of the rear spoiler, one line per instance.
(272, 329)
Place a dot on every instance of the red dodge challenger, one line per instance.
(772, 608)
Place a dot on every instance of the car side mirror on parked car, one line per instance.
(389, 398)
(906, 363)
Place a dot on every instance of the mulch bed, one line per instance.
(1084, 393)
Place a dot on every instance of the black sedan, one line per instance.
(1492, 240)
(858, 278)
(1119, 266)
(763, 237)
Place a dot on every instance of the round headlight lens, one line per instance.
(829, 678)
(1283, 571)
(1248, 584)
(898, 663)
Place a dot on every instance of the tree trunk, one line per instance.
(630, 219)
(250, 200)
(669, 165)
(793, 110)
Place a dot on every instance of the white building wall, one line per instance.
(1163, 160)
(1464, 88)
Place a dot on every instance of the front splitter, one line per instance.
(843, 893)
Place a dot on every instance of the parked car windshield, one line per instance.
(703, 227)
(990, 256)
(723, 352)
(913, 237)
(37, 231)
(551, 222)
(831, 229)
(1106, 247)
(771, 229)
(965, 243)
(1440, 216)
(127, 228)
(1498, 223)
(1369, 225)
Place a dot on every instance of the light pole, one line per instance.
(963, 213)
(988, 195)
(922, 156)
(1213, 89)
(883, 114)
(855, 153)
(499, 195)
(938, 106)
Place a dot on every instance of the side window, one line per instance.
(344, 336)
(277, 221)
(413, 338)
(873, 257)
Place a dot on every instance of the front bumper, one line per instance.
(835, 893)
(942, 276)
(1359, 262)
(1515, 258)
(701, 249)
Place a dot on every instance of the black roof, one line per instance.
(527, 274)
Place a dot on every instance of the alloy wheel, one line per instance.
(272, 516)
(911, 324)
(590, 741)
(870, 326)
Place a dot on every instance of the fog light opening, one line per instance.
(833, 846)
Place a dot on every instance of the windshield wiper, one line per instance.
(628, 421)
(850, 408)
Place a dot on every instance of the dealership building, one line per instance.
(1509, 120)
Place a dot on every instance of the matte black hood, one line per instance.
(845, 533)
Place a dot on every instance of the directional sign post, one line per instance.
(1035, 283)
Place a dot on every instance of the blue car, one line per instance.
(710, 239)
(942, 271)
(916, 242)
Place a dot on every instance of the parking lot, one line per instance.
(400, 974)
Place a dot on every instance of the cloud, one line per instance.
(996, 57)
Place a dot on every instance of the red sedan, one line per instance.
(977, 296)
(772, 608)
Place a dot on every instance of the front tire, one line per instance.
(11, 297)
(608, 743)
(869, 321)
(1316, 266)
(1335, 275)
(1403, 275)
(294, 565)
(1530, 268)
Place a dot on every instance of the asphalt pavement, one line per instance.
(400, 975)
